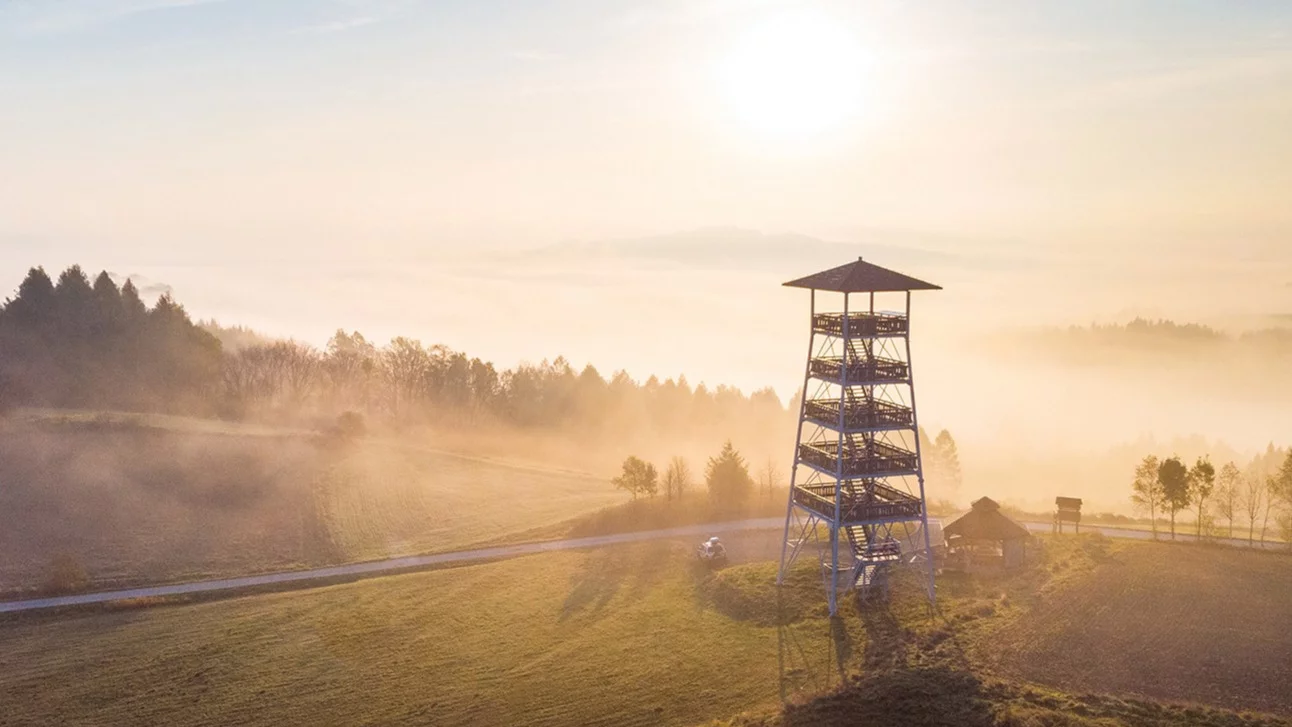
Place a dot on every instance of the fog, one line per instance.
(1029, 402)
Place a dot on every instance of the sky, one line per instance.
(422, 168)
(346, 125)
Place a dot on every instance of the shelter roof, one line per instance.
(985, 521)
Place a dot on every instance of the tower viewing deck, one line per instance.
(862, 370)
(859, 415)
(859, 325)
(857, 473)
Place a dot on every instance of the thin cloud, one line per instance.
(45, 17)
(1209, 73)
(533, 56)
(336, 26)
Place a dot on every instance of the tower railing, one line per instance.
(877, 459)
(859, 415)
(874, 370)
(855, 509)
(860, 324)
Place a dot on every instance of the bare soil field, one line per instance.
(1169, 621)
(129, 503)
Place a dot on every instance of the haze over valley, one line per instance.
(449, 362)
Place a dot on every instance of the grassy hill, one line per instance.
(619, 636)
(133, 500)
(1193, 623)
(633, 635)
(1096, 633)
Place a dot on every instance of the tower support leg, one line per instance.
(928, 553)
(833, 587)
(796, 533)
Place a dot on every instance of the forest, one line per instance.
(81, 345)
(77, 344)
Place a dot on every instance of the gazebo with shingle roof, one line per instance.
(985, 537)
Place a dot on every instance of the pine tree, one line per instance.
(949, 459)
(727, 477)
(132, 306)
(108, 310)
(34, 303)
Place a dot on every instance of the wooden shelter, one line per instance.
(986, 539)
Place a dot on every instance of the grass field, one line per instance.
(150, 501)
(1193, 623)
(620, 636)
(1094, 633)
(627, 635)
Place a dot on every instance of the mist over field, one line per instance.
(431, 362)
(1026, 355)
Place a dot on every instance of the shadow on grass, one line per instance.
(928, 696)
(811, 663)
(606, 572)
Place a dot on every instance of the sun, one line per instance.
(793, 76)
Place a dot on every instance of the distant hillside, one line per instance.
(1158, 337)
(1164, 353)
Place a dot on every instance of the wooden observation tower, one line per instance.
(857, 487)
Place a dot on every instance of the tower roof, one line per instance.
(861, 277)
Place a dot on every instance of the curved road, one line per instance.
(380, 566)
(502, 551)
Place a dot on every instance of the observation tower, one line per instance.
(857, 487)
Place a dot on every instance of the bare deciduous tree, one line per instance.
(769, 477)
(1202, 481)
(638, 478)
(1146, 491)
(1228, 491)
(677, 478)
(1268, 504)
(1253, 499)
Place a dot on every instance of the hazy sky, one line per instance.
(298, 166)
(334, 126)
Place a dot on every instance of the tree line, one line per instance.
(726, 476)
(77, 344)
(1254, 495)
(729, 482)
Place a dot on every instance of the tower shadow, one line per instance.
(811, 663)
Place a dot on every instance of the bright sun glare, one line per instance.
(793, 77)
